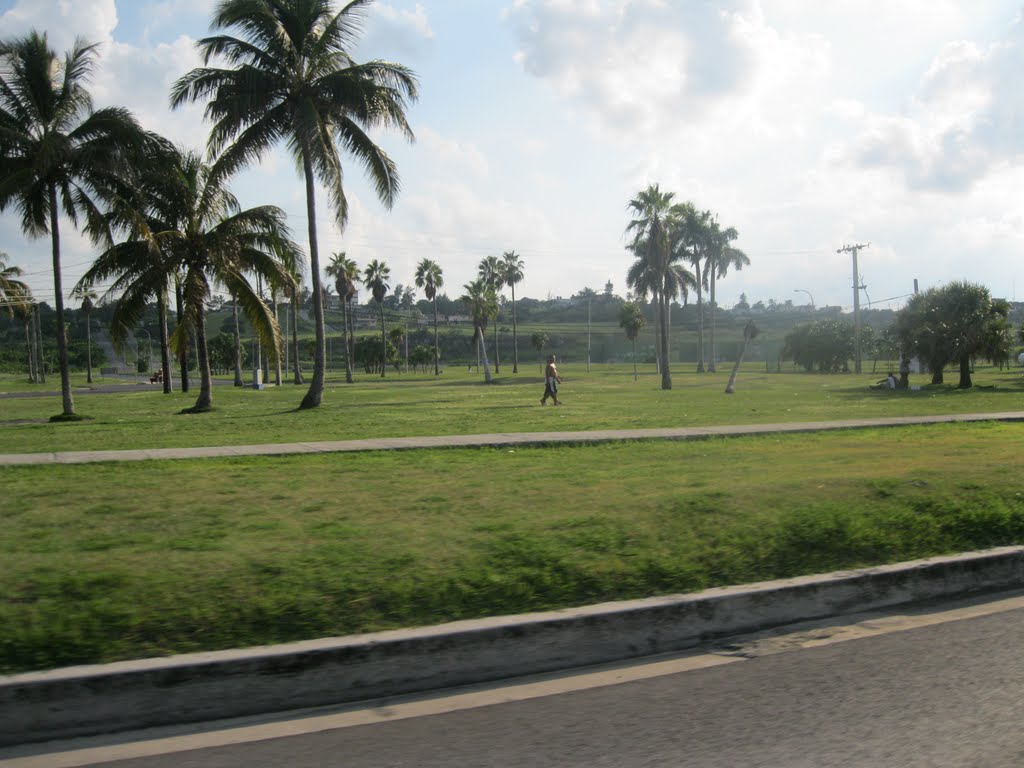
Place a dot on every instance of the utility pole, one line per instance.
(852, 250)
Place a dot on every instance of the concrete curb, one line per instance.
(89, 700)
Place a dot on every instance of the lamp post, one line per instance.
(801, 290)
(149, 351)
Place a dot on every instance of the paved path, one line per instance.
(497, 439)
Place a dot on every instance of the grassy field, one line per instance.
(111, 561)
(458, 403)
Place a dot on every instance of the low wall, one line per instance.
(205, 686)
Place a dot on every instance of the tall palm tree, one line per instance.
(294, 80)
(482, 302)
(721, 257)
(20, 302)
(429, 277)
(491, 271)
(375, 278)
(57, 154)
(695, 240)
(655, 217)
(237, 339)
(88, 297)
(345, 274)
(291, 260)
(197, 225)
(512, 272)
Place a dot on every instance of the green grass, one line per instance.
(458, 403)
(111, 561)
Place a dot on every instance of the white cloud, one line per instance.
(62, 20)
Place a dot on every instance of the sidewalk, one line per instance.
(502, 440)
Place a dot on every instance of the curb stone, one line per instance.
(90, 700)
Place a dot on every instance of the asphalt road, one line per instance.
(943, 686)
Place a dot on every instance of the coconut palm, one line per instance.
(721, 257)
(482, 303)
(88, 298)
(57, 154)
(11, 288)
(345, 274)
(491, 271)
(20, 302)
(198, 227)
(291, 260)
(512, 272)
(631, 320)
(375, 278)
(429, 277)
(294, 80)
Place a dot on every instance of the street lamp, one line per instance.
(801, 290)
(149, 349)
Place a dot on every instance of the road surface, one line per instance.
(935, 686)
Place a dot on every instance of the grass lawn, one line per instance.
(458, 403)
(111, 561)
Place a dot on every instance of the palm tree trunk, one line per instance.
(711, 362)
(238, 343)
(666, 373)
(482, 339)
(383, 342)
(277, 349)
(41, 360)
(437, 369)
(205, 400)
(165, 352)
(88, 349)
(657, 332)
(634, 359)
(515, 338)
(730, 388)
(183, 357)
(700, 321)
(350, 342)
(497, 369)
(344, 338)
(316, 387)
(58, 302)
(297, 379)
(30, 345)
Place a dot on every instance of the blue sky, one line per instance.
(805, 125)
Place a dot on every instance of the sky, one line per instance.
(806, 125)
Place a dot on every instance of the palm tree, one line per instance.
(482, 303)
(654, 229)
(20, 301)
(429, 277)
(88, 297)
(294, 80)
(199, 228)
(721, 256)
(57, 154)
(11, 288)
(291, 260)
(237, 338)
(491, 271)
(695, 241)
(512, 273)
(631, 320)
(345, 273)
(375, 278)
(749, 333)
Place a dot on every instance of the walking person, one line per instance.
(551, 382)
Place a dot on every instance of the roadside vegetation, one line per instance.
(114, 561)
